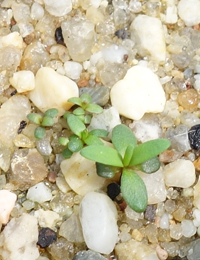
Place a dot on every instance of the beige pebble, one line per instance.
(161, 253)
(7, 203)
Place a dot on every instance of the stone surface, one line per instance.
(27, 168)
(16, 241)
(88, 255)
(188, 10)
(52, 90)
(188, 228)
(5, 155)
(39, 193)
(180, 173)
(73, 69)
(13, 38)
(80, 174)
(138, 93)
(149, 37)
(23, 81)
(58, 8)
(98, 216)
(46, 218)
(194, 252)
(197, 194)
(7, 202)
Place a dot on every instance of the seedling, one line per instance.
(127, 155)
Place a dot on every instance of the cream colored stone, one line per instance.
(46, 218)
(13, 38)
(189, 11)
(7, 203)
(23, 81)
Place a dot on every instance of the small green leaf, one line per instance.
(63, 141)
(75, 145)
(148, 150)
(66, 115)
(122, 136)
(75, 100)
(106, 171)
(99, 132)
(102, 154)
(52, 112)
(86, 98)
(47, 121)
(35, 118)
(39, 132)
(92, 140)
(94, 108)
(128, 155)
(75, 124)
(79, 111)
(150, 166)
(87, 119)
(66, 153)
(134, 190)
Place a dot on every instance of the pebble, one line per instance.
(5, 157)
(188, 228)
(39, 193)
(16, 241)
(176, 231)
(164, 221)
(193, 135)
(180, 173)
(46, 237)
(194, 251)
(58, 8)
(73, 69)
(99, 94)
(37, 11)
(161, 253)
(52, 90)
(47, 218)
(149, 30)
(114, 53)
(88, 255)
(98, 213)
(113, 190)
(23, 81)
(189, 99)
(13, 38)
(188, 10)
(7, 203)
(150, 213)
(137, 94)
(197, 195)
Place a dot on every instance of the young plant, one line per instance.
(127, 155)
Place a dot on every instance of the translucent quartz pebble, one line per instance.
(11, 245)
(23, 81)
(7, 203)
(194, 251)
(99, 94)
(197, 195)
(176, 231)
(37, 11)
(138, 93)
(58, 8)
(52, 90)
(188, 10)
(5, 157)
(39, 193)
(189, 99)
(88, 255)
(73, 69)
(180, 173)
(98, 215)
(10, 57)
(114, 53)
(164, 221)
(189, 119)
(149, 30)
(13, 38)
(171, 14)
(44, 146)
(46, 218)
(188, 228)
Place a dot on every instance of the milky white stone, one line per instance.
(80, 174)
(98, 216)
(150, 37)
(13, 38)
(73, 69)
(189, 11)
(23, 81)
(7, 203)
(138, 93)
(46, 218)
(114, 53)
(37, 11)
(188, 228)
(58, 8)
(164, 221)
(39, 193)
(196, 201)
(171, 15)
(180, 173)
(196, 216)
(18, 239)
(52, 90)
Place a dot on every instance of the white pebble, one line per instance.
(188, 228)
(39, 193)
(7, 203)
(13, 38)
(23, 81)
(114, 53)
(58, 8)
(73, 69)
(196, 216)
(98, 216)
(138, 93)
(37, 11)
(164, 221)
(46, 218)
(189, 11)
(180, 173)
(171, 14)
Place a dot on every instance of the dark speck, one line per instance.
(194, 137)
(46, 237)
(113, 190)
(21, 126)
(150, 213)
(14, 92)
(59, 36)
(121, 33)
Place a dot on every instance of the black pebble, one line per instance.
(113, 190)
(59, 36)
(194, 137)
(121, 33)
(150, 213)
(21, 126)
(46, 237)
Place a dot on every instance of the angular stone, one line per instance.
(46, 218)
(58, 8)
(7, 202)
(5, 155)
(23, 81)
(188, 10)
(39, 193)
(27, 168)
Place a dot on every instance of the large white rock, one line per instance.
(149, 37)
(52, 90)
(180, 173)
(58, 8)
(23, 81)
(189, 11)
(138, 93)
(7, 203)
(18, 239)
(98, 216)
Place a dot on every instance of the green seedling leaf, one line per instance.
(134, 190)
(66, 153)
(39, 132)
(75, 124)
(35, 118)
(106, 171)
(86, 98)
(75, 100)
(66, 115)
(87, 119)
(102, 154)
(79, 111)
(47, 121)
(52, 112)
(99, 132)
(75, 145)
(93, 140)
(122, 137)
(63, 141)
(148, 150)
(150, 166)
(94, 108)
(128, 155)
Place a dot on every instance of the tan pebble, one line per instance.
(161, 253)
(137, 235)
(52, 176)
(188, 99)
(82, 83)
(197, 164)
(157, 221)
